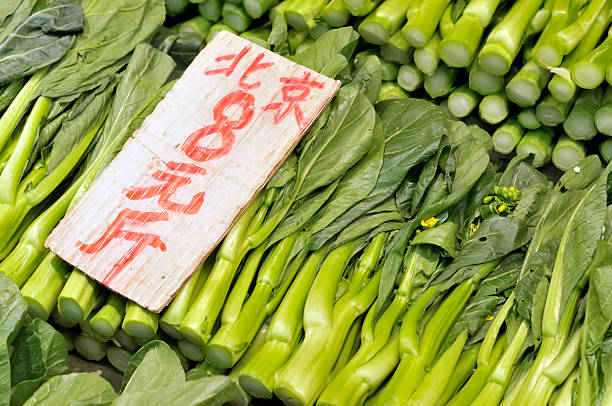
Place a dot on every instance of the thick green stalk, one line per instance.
(139, 322)
(446, 21)
(125, 340)
(378, 27)
(335, 14)
(570, 36)
(326, 325)
(118, 357)
(528, 119)
(440, 83)
(191, 351)
(257, 8)
(174, 314)
(16, 218)
(301, 15)
(462, 372)
(397, 49)
(60, 320)
(217, 28)
(565, 394)
(580, 123)
(505, 40)
(258, 375)
(536, 142)
(458, 48)
(494, 108)
(90, 349)
(197, 25)
(484, 82)
(561, 86)
(409, 77)
(499, 379)
(391, 90)
(199, 321)
(211, 9)
(44, 286)
(375, 337)
(47, 185)
(235, 16)
(590, 72)
(551, 112)
(568, 153)
(369, 376)
(427, 58)
(26, 257)
(78, 297)
(14, 168)
(15, 111)
(462, 101)
(233, 338)
(436, 379)
(545, 51)
(526, 86)
(418, 353)
(360, 8)
(478, 379)
(603, 116)
(605, 149)
(507, 136)
(108, 319)
(422, 24)
(554, 336)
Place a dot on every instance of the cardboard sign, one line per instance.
(176, 188)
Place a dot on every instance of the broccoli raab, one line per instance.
(391, 259)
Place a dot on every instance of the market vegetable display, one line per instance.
(393, 259)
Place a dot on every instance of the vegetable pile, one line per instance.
(389, 261)
(533, 73)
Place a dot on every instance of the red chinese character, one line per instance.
(229, 69)
(222, 126)
(116, 230)
(253, 67)
(172, 182)
(296, 90)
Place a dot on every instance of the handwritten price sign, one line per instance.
(173, 192)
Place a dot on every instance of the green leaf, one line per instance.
(578, 241)
(183, 47)
(346, 139)
(498, 236)
(443, 236)
(5, 374)
(112, 30)
(285, 174)
(76, 125)
(369, 76)
(81, 389)
(9, 92)
(520, 175)
(489, 295)
(355, 186)
(17, 12)
(341, 40)
(155, 365)
(301, 212)
(467, 161)
(404, 196)
(209, 391)
(13, 309)
(40, 354)
(413, 129)
(43, 38)
(582, 174)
